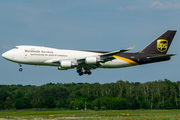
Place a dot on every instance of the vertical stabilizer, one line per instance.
(161, 44)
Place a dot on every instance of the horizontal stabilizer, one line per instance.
(161, 56)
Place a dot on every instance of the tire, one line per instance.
(20, 69)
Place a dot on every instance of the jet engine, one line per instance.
(91, 60)
(66, 64)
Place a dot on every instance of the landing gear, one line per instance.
(87, 72)
(20, 69)
(80, 71)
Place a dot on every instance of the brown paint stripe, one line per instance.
(125, 59)
(121, 58)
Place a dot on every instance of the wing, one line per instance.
(102, 58)
(89, 62)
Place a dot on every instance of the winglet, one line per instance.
(130, 48)
(117, 52)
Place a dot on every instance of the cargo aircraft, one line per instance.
(85, 61)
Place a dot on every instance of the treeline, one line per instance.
(161, 94)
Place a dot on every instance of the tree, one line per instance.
(103, 102)
(49, 102)
(78, 104)
(96, 103)
(115, 103)
(103, 107)
(1, 105)
(37, 101)
(123, 104)
(95, 108)
(8, 103)
(4, 93)
(167, 104)
(71, 105)
(135, 104)
(19, 95)
(62, 103)
(161, 94)
(22, 103)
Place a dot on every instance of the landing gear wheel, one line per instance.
(79, 70)
(20, 69)
(89, 73)
(81, 73)
(85, 72)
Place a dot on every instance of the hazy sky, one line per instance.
(103, 25)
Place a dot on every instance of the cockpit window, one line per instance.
(15, 47)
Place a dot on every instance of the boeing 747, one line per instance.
(85, 61)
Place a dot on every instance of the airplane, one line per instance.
(85, 61)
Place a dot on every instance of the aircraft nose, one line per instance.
(3, 55)
(7, 55)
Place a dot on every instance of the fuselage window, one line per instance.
(15, 47)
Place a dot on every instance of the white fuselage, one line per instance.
(35, 55)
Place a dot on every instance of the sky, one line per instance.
(97, 25)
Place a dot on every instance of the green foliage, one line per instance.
(103, 107)
(71, 105)
(135, 104)
(115, 104)
(8, 103)
(37, 101)
(1, 105)
(78, 104)
(4, 93)
(123, 104)
(144, 105)
(19, 95)
(95, 108)
(22, 103)
(167, 104)
(161, 94)
(96, 103)
(49, 102)
(62, 103)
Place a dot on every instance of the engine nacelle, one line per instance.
(91, 60)
(66, 64)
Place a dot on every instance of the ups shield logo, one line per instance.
(162, 45)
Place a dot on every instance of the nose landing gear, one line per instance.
(20, 69)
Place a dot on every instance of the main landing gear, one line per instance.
(80, 71)
(20, 69)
